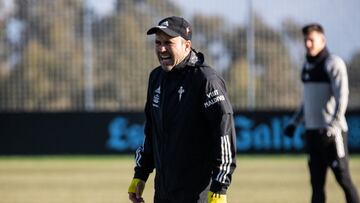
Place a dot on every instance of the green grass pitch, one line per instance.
(104, 179)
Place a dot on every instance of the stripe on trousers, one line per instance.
(339, 141)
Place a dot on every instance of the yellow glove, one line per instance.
(135, 190)
(216, 198)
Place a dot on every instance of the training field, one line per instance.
(104, 179)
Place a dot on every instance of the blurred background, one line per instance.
(88, 55)
(73, 73)
(73, 80)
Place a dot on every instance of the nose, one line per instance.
(161, 48)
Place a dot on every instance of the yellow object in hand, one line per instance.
(135, 190)
(133, 185)
(216, 198)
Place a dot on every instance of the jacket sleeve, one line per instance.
(337, 73)
(144, 161)
(219, 114)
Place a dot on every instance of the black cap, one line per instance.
(173, 26)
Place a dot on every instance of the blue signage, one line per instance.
(265, 136)
(124, 136)
(254, 134)
(121, 132)
(354, 132)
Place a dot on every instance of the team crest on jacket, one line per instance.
(181, 91)
(156, 98)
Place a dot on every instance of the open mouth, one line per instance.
(165, 58)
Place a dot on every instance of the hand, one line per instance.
(289, 130)
(332, 131)
(216, 198)
(135, 190)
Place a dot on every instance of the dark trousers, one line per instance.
(200, 198)
(164, 200)
(324, 152)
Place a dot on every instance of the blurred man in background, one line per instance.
(189, 130)
(325, 100)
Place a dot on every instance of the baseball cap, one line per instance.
(173, 26)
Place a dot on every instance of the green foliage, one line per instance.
(354, 82)
(273, 67)
(49, 73)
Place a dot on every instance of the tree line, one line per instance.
(42, 57)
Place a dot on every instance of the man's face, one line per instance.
(314, 43)
(170, 50)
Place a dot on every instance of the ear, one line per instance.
(323, 38)
(188, 44)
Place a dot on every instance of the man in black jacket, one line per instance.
(189, 130)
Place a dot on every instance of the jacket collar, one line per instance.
(323, 54)
(192, 59)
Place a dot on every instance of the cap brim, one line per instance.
(166, 30)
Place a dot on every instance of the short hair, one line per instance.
(312, 27)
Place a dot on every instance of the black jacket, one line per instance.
(189, 131)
